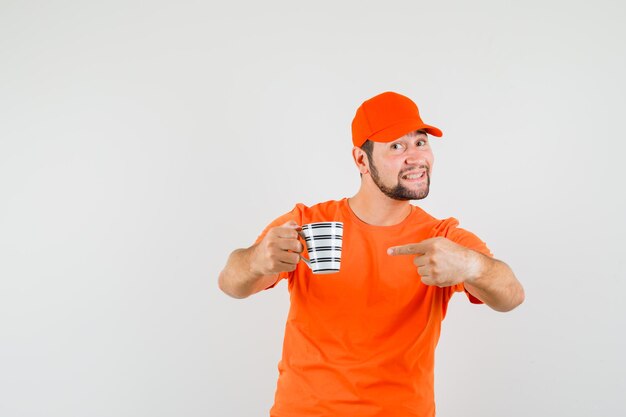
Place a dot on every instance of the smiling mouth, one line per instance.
(414, 176)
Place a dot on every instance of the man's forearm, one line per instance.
(495, 284)
(238, 279)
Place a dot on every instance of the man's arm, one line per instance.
(495, 284)
(444, 263)
(251, 270)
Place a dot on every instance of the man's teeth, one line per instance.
(414, 176)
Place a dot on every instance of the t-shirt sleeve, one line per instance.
(294, 215)
(471, 241)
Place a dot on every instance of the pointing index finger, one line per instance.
(410, 249)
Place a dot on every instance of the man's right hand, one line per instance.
(279, 251)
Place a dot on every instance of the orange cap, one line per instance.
(387, 117)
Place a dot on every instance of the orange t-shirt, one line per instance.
(361, 342)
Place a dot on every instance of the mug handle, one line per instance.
(306, 261)
(302, 258)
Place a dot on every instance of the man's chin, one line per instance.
(419, 196)
(417, 192)
(406, 194)
(402, 192)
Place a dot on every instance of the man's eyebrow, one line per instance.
(419, 133)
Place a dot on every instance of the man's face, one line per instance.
(401, 168)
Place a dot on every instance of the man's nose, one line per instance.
(415, 157)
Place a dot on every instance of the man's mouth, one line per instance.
(415, 175)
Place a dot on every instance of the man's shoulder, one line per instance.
(449, 228)
(327, 204)
(325, 210)
(423, 215)
(439, 227)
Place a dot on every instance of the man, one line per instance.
(361, 342)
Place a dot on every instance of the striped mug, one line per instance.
(323, 243)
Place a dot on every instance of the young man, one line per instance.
(361, 342)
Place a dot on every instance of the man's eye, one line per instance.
(396, 146)
(423, 142)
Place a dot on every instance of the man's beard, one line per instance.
(399, 191)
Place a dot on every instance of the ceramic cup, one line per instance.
(323, 243)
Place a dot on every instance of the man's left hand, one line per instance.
(440, 261)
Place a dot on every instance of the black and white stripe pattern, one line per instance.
(324, 241)
(322, 237)
(322, 225)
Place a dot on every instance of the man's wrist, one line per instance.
(252, 262)
(476, 266)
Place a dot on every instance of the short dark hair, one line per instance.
(368, 148)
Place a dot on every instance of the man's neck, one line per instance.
(375, 208)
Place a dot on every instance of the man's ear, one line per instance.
(360, 159)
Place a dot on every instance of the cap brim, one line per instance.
(402, 128)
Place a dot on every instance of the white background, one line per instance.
(141, 142)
